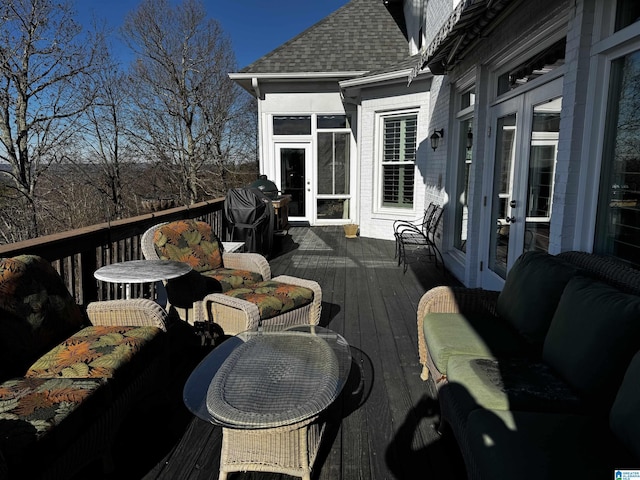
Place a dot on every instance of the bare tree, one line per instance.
(183, 93)
(104, 136)
(44, 63)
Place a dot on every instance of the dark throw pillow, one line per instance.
(593, 336)
(531, 293)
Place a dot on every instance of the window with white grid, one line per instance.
(398, 160)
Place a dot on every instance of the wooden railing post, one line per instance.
(88, 283)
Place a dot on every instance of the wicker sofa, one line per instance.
(68, 376)
(540, 380)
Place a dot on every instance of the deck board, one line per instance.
(383, 426)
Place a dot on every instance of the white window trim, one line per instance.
(603, 53)
(378, 187)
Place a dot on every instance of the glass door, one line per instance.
(520, 200)
(503, 191)
(294, 178)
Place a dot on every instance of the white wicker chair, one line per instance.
(252, 262)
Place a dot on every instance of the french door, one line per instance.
(519, 189)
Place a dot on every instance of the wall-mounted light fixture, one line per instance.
(469, 140)
(435, 138)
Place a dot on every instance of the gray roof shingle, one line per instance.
(360, 36)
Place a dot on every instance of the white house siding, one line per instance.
(571, 209)
(374, 222)
(436, 173)
(584, 81)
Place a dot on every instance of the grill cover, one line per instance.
(250, 217)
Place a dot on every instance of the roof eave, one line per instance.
(250, 81)
(387, 77)
(467, 23)
(297, 75)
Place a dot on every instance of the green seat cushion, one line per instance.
(189, 241)
(100, 352)
(449, 334)
(40, 416)
(593, 336)
(624, 417)
(531, 293)
(273, 298)
(511, 384)
(534, 446)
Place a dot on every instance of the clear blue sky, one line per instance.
(255, 26)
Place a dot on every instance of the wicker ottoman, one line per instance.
(274, 304)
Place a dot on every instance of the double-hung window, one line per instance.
(399, 143)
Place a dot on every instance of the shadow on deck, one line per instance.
(384, 424)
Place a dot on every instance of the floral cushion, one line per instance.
(189, 241)
(229, 278)
(95, 352)
(33, 410)
(36, 310)
(273, 298)
(194, 286)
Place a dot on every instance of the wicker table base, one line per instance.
(291, 450)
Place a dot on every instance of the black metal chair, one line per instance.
(420, 223)
(422, 236)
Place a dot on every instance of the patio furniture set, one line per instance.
(69, 376)
(541, 379)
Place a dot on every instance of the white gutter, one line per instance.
(294, 75)
(396, 75)
(383, 77)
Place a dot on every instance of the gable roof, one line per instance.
(358, 37)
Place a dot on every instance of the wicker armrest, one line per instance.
(135, 312)
(234, 315)
(451, 300)
(254, 262)
(458, 300)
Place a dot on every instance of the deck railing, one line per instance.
(76, 254)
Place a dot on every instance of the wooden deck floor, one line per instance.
(382, 427)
